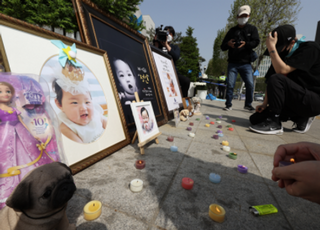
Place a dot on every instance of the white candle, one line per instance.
(136, 185)
(226, 148)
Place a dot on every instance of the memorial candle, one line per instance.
(187, 183)
(217, 213)
(92, 210)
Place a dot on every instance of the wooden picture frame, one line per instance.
(26, 48)
(168, 78)
(186, 101)
(145, 120)
(127, 50)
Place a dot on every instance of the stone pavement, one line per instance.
(164, 204)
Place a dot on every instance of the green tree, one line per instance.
(122, 9)
(219, 61)
(188, 64)
(60, 13)
(265, 15)
(56, 13)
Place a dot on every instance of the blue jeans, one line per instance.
(245, 71)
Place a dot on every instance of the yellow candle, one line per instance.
(225, 143)
(92, 210)
(217, 213)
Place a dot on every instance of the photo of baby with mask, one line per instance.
(147, 123)
(81, 119)
(126, 80)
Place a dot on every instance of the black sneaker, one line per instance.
(249, 107)
(267, 127)
(227, 108)
(303, 125)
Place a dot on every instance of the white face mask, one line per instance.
(169, 38)
(242, 21)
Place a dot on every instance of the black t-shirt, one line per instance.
(306, 60)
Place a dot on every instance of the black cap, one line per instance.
(286, 34)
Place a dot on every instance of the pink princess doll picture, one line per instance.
(24, 144)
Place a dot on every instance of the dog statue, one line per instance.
(39, 201)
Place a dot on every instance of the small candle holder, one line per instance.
(217, 119)
(215, 137)
(229, 126)
(140, 164)
(219, 131)
(191, 124)
(174, 148)
(218, 122)
(233, 156)
(220, 134)
(214, 178)
(187, 183)
(192, 135)
(92, 210)
(136, 185)
(225, 143)
(170, 138)
(207, 125)
(286, 163)
(212, 123)
(219, 127)
(230, 129)
(242, 169)
(207, 117)
(189, 128)
(220, 117)
(217, 213)
(198, 119)
(233, 121)
(226, 148)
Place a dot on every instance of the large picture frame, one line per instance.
(168, 79)
(128, 52)
(27, 49)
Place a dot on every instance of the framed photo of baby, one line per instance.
(130, 59)
(145, 120)
(76, 83)
(168, 78)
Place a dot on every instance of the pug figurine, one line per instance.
(39, 201)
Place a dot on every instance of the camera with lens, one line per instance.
(238, 39)
(161, 34)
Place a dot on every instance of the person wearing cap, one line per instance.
(293, 83)
(240, 42)
(174, 52)
(222, 81)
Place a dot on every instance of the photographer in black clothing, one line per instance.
(174, 52)
(239, 41)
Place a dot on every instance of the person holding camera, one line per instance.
(163, 40)
(239, 41)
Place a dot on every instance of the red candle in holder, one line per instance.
(231, 129)
(212, 123)
(187, 183)
(170, 139)
(191, 123)
(233, 121)
(140, 164)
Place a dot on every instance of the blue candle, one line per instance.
(214, 178)
(174, 148)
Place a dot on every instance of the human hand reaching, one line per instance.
(300, 179)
